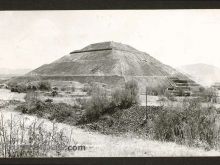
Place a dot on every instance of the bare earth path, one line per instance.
(98, 145)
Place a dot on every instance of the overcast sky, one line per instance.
(29, 39)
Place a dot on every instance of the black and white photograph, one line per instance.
(110, 83)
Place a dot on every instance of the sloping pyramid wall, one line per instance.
(108, 62)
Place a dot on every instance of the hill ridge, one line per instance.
(204, 74)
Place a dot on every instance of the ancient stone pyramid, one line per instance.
(106, 60)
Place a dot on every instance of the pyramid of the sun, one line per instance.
(108, 62)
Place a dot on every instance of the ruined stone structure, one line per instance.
(111, 63)
(183, 87)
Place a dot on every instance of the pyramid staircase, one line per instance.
(183, 87)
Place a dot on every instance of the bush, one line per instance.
(125, 98)
(100, 103)
(22, 108)
(97, 105)
(44, 85)
(188, 124)
(60, 112)
(24, 87)
(20, 88)
(31, 87)
(40, 139)
(123, 121)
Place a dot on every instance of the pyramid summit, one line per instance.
(107, 46)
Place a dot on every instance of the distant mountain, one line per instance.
(19, 72)
(203, 74)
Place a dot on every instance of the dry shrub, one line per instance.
(208, 95)
(25, 87)
(19, 139)
(61, 112)
(100, 103)
(44, 85)
(191, 124)
(123, 121)
(20, 88)
(125, 98)
(97, 105)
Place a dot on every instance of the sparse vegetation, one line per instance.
(191, 124)
(100, 103)
(60, 112)
(125, 98)
(20, 88)
(19, 139)
(118, 112)
(24, 87)
(97, 105)
(44, 85)
(158, 90)
(208, 95)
